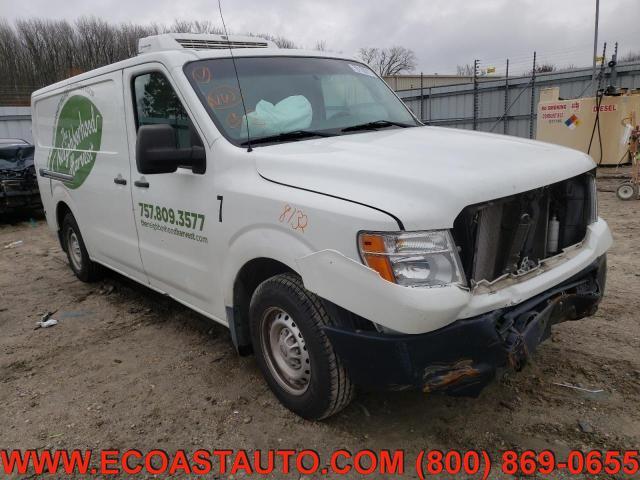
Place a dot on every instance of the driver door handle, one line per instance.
(141, 184)
(119, 180)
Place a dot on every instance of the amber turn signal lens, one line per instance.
(374, 255)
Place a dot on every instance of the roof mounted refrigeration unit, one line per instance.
(199, 41)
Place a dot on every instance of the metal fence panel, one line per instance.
(452, 105)
(15, 122)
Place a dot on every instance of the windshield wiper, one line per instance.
(375, 125)
(285, 136)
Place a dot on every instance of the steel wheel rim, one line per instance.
(75, 252)
(626, 191)
(285, 351)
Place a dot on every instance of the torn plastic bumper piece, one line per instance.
(462, 358)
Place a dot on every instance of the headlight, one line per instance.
(413, 259)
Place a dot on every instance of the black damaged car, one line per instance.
(18, 183)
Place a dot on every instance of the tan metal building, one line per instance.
(571, 123)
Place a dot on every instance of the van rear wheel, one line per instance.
(292, 350)
(79, 261)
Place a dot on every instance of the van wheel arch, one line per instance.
(62, 209)
(249, 277)
(252, 274)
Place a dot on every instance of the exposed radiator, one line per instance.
(509, 235)
(487, 240)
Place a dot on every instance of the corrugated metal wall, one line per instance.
(15, 122)
(407, 82)
(453, 105)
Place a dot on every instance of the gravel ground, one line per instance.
(128, 368)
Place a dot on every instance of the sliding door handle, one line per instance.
(141, 184)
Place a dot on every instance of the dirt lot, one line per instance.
(127, 368)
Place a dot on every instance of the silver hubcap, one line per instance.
(75, 253)
(286, 354)
(625, 191)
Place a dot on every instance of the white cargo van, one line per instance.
(291, 196)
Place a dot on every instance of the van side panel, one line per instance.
(81, 132)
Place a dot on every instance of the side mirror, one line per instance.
(156, 151)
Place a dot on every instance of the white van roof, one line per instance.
(199, 41)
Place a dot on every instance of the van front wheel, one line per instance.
(292, 350)
(79, 260)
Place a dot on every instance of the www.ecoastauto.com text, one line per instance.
(260, 463)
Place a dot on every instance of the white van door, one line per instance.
(174, 212)
(81, 130)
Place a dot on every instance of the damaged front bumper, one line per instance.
(15, 196)
(462, 358)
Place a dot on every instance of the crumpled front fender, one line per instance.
(361, 290)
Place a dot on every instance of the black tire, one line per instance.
(329, 388)
(79, 261)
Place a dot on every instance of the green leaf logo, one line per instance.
(76, 141)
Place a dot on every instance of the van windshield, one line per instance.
(294, 98)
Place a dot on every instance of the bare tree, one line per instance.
(321, 46)
(95, 44)
(36, 52)
(16, 75)
(48, 45)
(281, 42)
(630, 57)
(545, 68)
(368, 55)
(194, 26)
(389, 61)
(465, 70)
(128, 34)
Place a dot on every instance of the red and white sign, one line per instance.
(605, 108)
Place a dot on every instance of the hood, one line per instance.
(424, 176)
(7, 165)
(16, 158)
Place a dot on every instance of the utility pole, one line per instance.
(505, 127)
(533, 96)
(476, 108)
(595, 41)
(421, 97)
(613, 75)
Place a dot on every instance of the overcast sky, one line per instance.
(443, 33)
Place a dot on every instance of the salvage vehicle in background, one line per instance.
(18, 183)
(293, 197)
